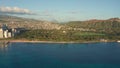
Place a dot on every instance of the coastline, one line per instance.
(28, 41)
(36, 41)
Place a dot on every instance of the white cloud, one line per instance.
(15, 10)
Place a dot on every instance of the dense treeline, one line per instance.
(60, 35)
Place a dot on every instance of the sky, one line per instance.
(61, 10)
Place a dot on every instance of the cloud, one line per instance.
(15, 10)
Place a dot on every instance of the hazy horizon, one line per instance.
(61, 10)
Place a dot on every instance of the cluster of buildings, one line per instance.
(6, 32)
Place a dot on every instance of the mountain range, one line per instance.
(111, 25)
(15, 22)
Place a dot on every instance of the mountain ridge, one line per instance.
(14, 22)
(111, 25)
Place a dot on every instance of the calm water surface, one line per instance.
(44, 55)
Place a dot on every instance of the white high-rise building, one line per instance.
(5, 32)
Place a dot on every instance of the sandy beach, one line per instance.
(28, 41)
(35, 41)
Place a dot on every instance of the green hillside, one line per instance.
(110, 26)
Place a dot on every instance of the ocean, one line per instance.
(60, 55)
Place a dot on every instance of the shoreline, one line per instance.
(35, 41)
(27, 41)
